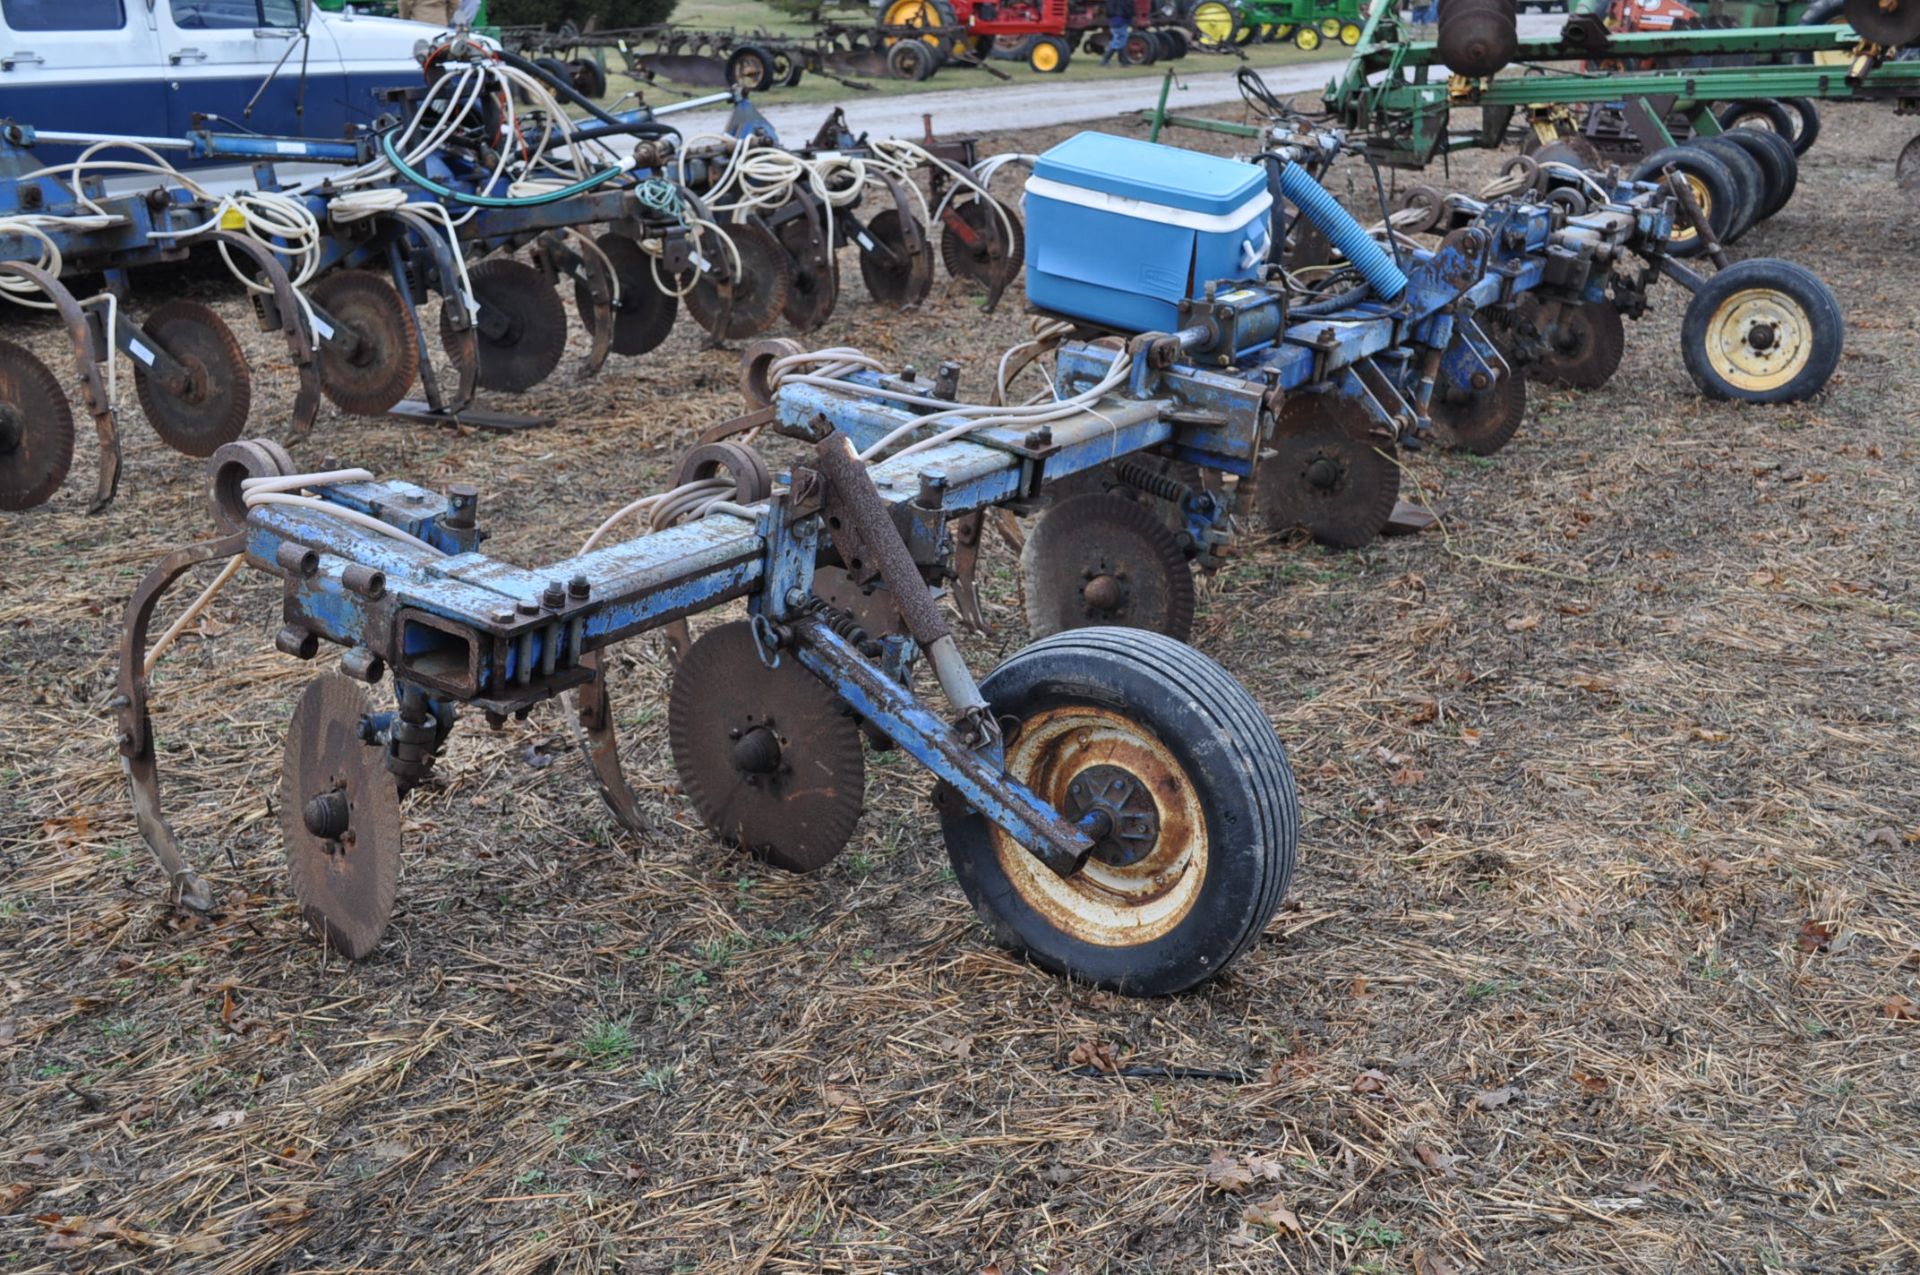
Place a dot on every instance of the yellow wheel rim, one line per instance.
(1759, 339)
(1307, 38)
(1108, 904)
(1350, 34)
(1214, 21)
(1281, 33)
(1330, 26)
(913, 13)
(1045, 57)
(1683, 233)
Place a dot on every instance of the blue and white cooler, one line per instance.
(1121, 231)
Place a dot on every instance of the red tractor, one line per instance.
(1044, 32)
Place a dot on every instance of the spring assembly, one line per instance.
(1165, 486)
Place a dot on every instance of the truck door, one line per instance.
(82, 66)
(219, 53)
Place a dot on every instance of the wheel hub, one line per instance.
(1759, 339)
(10, 433)
(1105, 592)
(1118, 813)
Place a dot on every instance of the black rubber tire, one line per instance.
(1747, 175)
(1779, 166)
(559, 70)
(589, 78)
(1139, 49)
(910, 60)
(1819, 310)
(1178, 45)
(1706, 168)
(1808, 115)
(1225, 749)
(1776, 117)
(750, 67)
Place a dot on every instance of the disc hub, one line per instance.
(1117, 811)
(327, 815)
(756, 751)
(1105, 592)
(9, 430)
(1325, 472)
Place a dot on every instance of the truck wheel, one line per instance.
(1762, 331)
(1197, 788)
(1140, 49)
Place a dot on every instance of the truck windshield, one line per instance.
(197, 15)
(64, 15)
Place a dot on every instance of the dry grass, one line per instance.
(1595, 961)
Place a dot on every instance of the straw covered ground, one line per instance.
(1603, 954)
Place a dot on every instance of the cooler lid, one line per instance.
(1148, 171)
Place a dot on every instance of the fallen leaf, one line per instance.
(1275, 1214)
(991, 1268)
(1884, 837)
(1430, 1263)
(1408, 777)
(843, 1098)
(1592, 1082)
(1372, 1080)
(226, 1119)
(1901, 1007)
(1591, 685)
(37, 1160)
(1706, 736)
(228, 1006)
(199, 1245)
(1434, 1161)
(1522, 623)
(1224, 1172)
(11, 1194)
(1814, 937)
(1488, 1099)
(1470, 737)
(1094, 1053)
(957, 1046)
(1359, 988)
(1423, 710)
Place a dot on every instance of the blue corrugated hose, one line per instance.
(1373, 262)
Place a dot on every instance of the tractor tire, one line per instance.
(1177, 43)
(1049, 55)
(1306, 39)
(1213, 23)
(926, 13)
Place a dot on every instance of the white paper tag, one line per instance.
(140, 352)
(864, 240)
(700, 263)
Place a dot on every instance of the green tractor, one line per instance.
(1222, 24)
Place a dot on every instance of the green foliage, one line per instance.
(606, 15)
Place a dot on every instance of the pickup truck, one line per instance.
(148, 67)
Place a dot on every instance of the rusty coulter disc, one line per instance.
(374, 370)
(769, 756)
(643, 315)
(211, 407)
(757, 296)
(1102, 559)
(1330, 472)
(522, 326)
(36, 430)
(340, 813)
